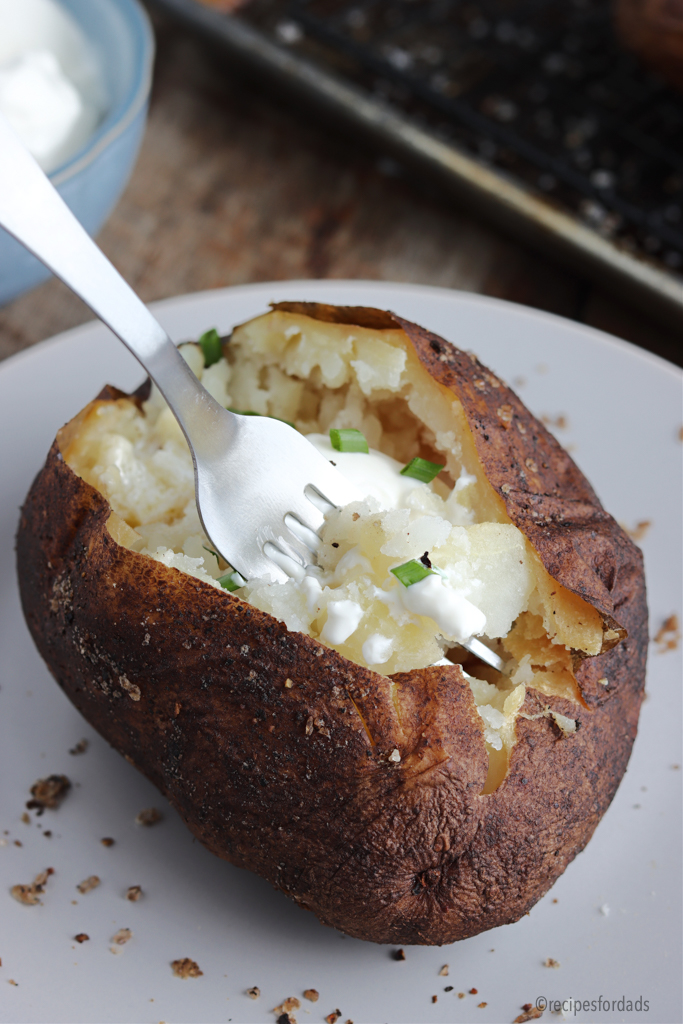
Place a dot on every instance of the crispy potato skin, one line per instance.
(295, 782)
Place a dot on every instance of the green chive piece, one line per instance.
(422, 470)
(411, 572)
(348, 441)
(232, 581)
(211, 346)
(211, 552)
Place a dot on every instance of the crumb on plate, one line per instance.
(638, 532)
(185, 968)
(529, 1013)
(150, 816)
(88, 884)
(290, 1003)
(48, 792)
(668, 636)
(29, 894)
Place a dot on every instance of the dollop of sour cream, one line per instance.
(343, 619)
(457, 618)
(379, 476)
(50, 87)
(375, 474)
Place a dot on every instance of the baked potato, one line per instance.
(401, 790)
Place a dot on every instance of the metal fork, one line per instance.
(262, 489)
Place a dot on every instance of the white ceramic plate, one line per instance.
(622, 417)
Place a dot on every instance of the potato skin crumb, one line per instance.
(312, 995)
(133, 893)
(29, 894)
(443, 973)
(254, 992)
(398, 954)
(25, 894)
(667, 637)
(150, 816)
(530, 1013)
(82, 937)
(291, 1003)
(185, 968)
(88, 884)
(48, 792)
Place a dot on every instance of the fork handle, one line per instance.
(36, 215)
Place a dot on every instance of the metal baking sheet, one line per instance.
(527, 110)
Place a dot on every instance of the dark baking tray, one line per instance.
(528, 110)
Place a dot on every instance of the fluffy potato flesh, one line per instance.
(325, 375)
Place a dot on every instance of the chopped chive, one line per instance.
(411, 572)
(211, 552)
(422, 470)
(232, 581)
(211, 346)
(250, 412)
(348, 440)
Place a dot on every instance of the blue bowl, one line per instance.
(93, 179)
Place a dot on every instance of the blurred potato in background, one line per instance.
(654, 30)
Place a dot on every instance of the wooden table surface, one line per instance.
(232, 187)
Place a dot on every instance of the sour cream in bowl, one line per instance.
(51, 88)
(74, 84)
